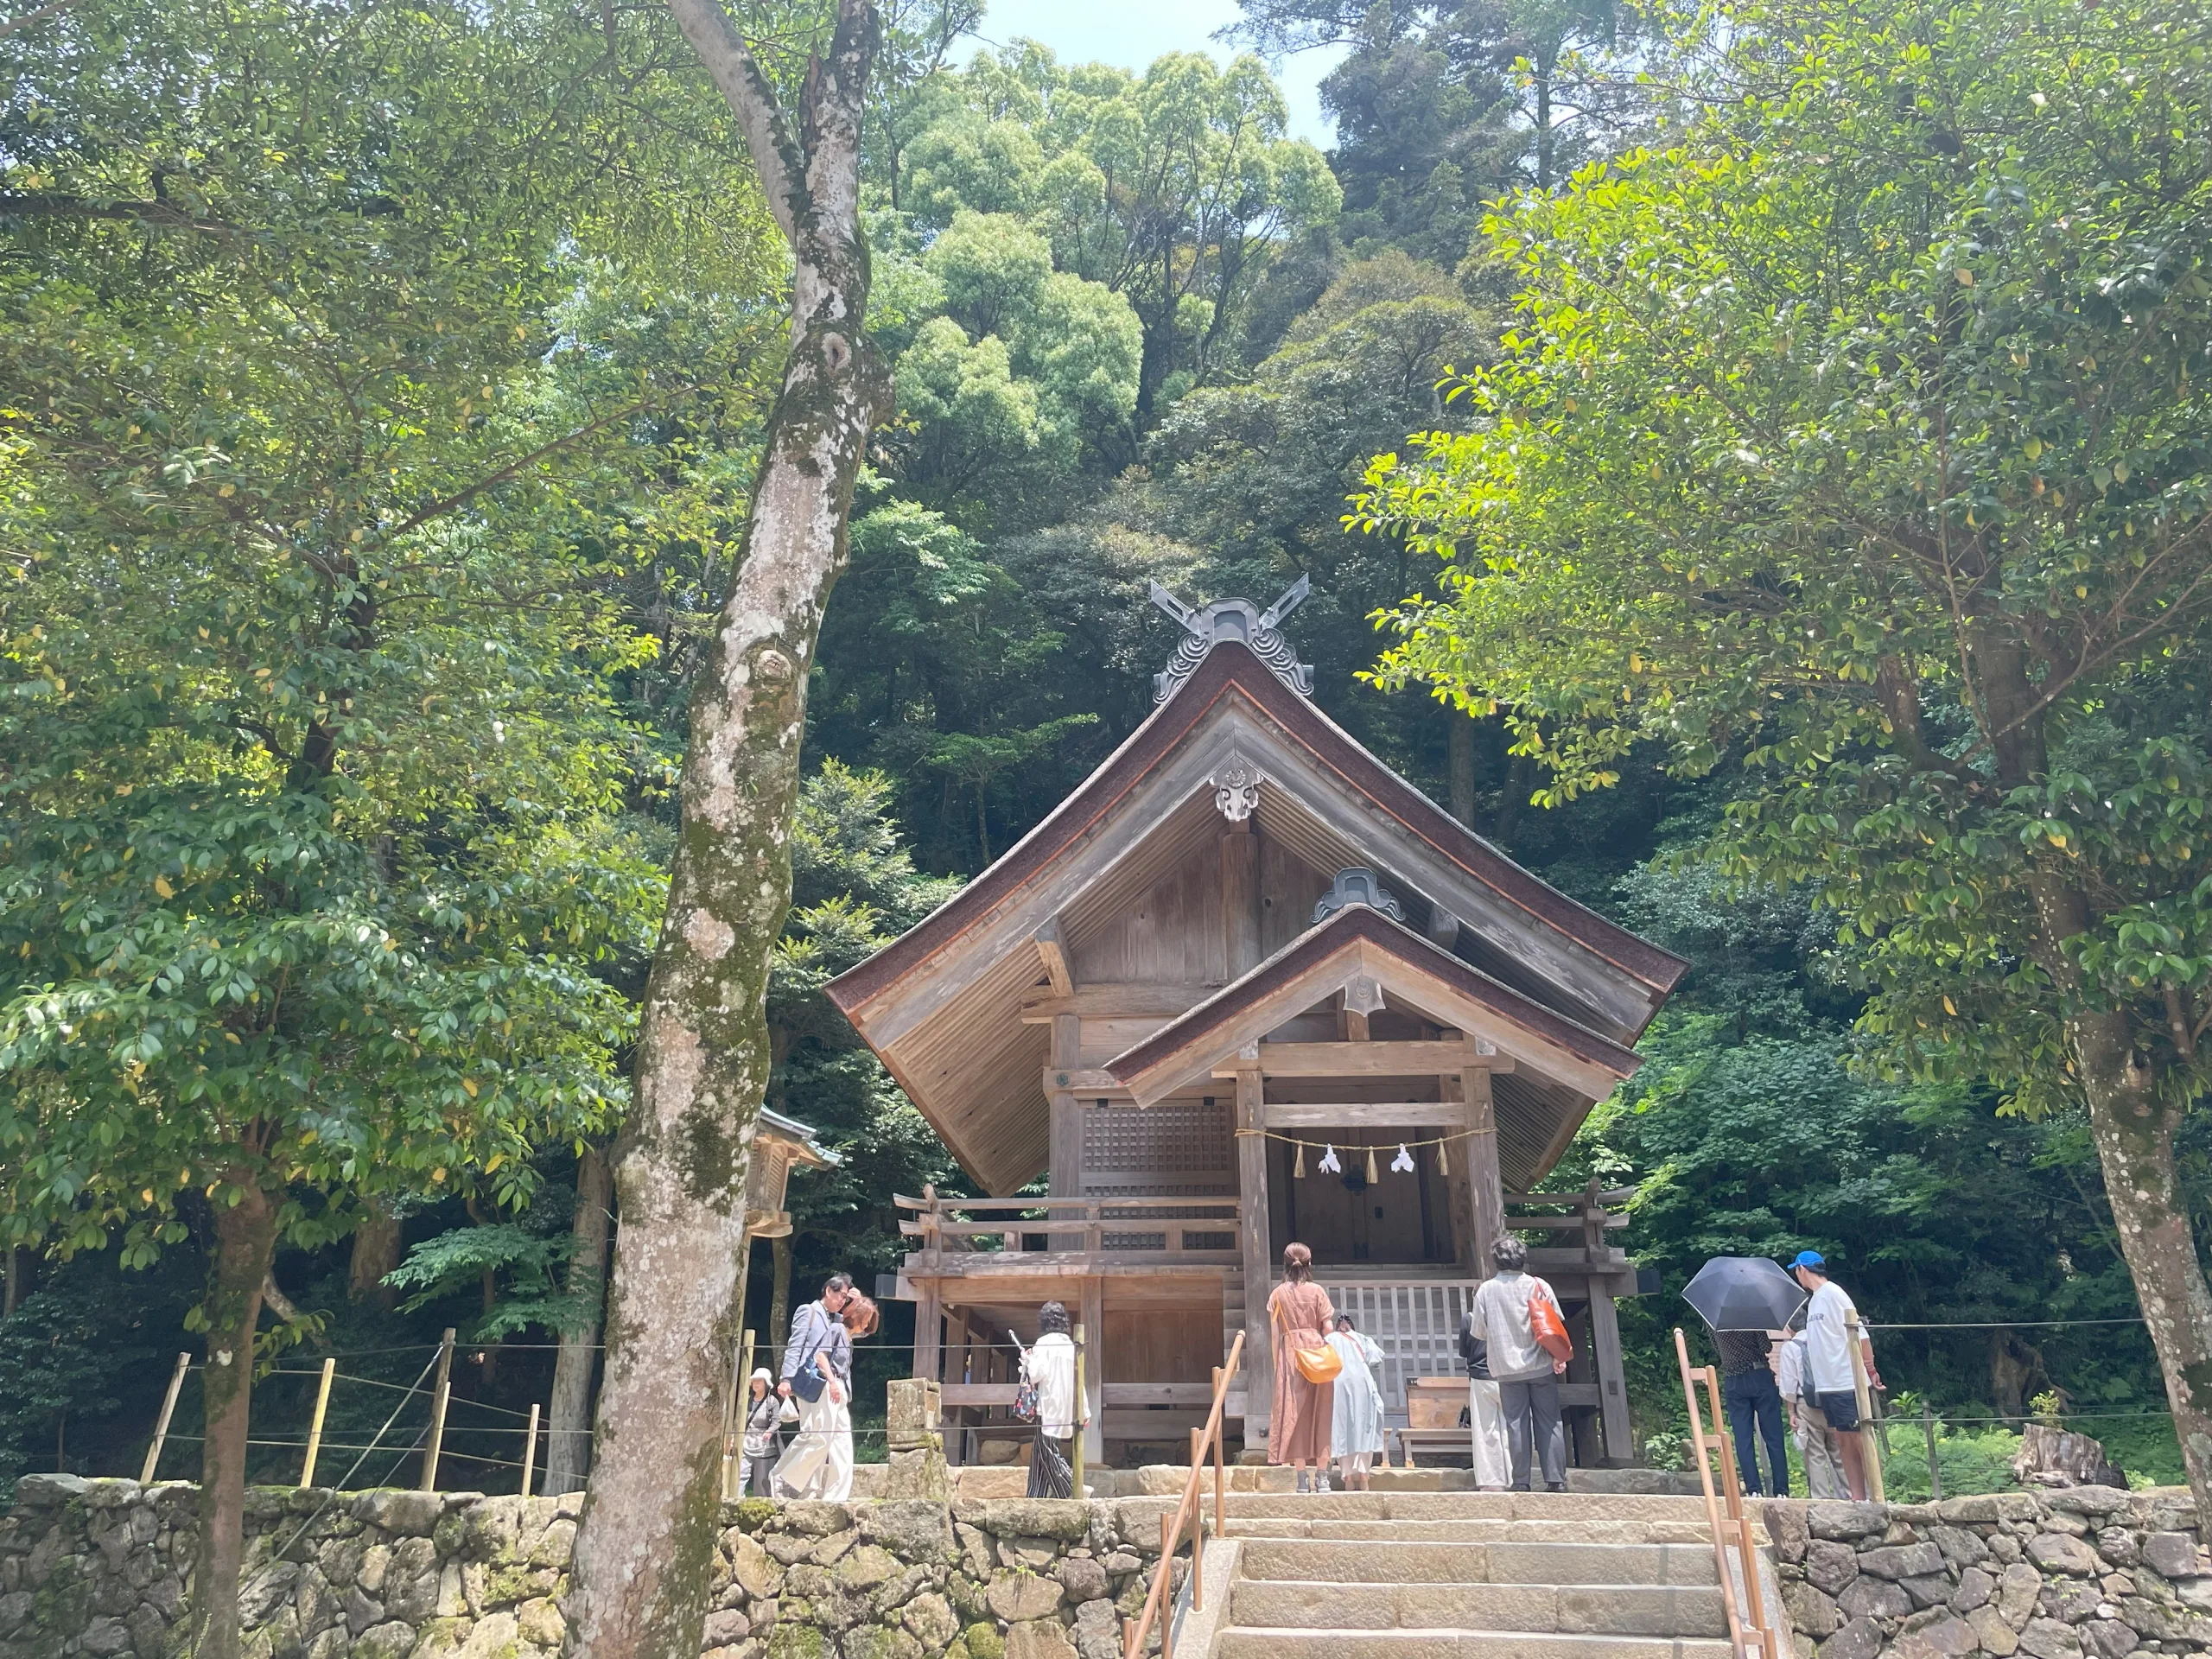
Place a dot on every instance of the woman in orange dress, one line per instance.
(1299, 1316)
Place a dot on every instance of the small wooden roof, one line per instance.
(942, 1004)
(1358, 942)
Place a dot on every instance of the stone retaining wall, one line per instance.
(102, 1567)
(2087, 1572)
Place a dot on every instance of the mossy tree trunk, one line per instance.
(245, 1241)
(2135, 1108)
(376, 1253)
(644, 1553)
(568, 1437)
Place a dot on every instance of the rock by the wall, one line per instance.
(2085, 1572)
(104, 1568)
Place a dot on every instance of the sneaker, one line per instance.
(1305, 1481)
(1556, 1486)
(1321, 1483)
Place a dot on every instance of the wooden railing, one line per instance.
(1192, 1512)
(1749, 1633)
(996, 1226)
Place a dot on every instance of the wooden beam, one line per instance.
(1612, 1379)
(1240, 901)
(1109, 1000)
(1370, 1059)
(1411, 1114)
(1095, 1361)
(928, 1347)
(1083, 1080)
(1259, 1258)
(1055, 959)
(1487, 1187)
(1065, 1154)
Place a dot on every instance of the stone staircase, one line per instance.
(1470, 1575)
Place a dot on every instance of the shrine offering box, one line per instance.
(1436, 1401)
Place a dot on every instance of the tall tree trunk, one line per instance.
(2131, 1117)
(376, 1253)
(646, 1549)
(2134, 1124)
(11, 1285)
(1463, 767)
(568, 1440)
(779, 1299)
(245, 1242)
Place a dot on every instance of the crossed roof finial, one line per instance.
(1207, 626)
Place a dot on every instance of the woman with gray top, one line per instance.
(1526, 1376)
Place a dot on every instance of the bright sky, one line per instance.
(1132, 32)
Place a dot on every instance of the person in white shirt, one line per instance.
(1526, 1376)
(1827, 1362)
(1050, 1368)
(1816, 1441)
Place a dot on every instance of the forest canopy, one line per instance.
(1730, 427)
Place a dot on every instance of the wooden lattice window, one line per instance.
(1176, 1149)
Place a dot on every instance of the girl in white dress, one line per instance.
(1356, 1427)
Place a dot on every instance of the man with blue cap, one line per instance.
(1827, 1358)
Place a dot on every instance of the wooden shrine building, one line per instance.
(1211, 998)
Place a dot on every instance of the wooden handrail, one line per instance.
(1191, 1508)
(1750, 1634)
(942, 1204)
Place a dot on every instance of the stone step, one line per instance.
(1343, 1561)
(1475, 1530)
(1577, 1610)
(1581, 1507)
(1322, 1643)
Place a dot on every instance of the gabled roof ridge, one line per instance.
(1356, 922)
(1230, 664)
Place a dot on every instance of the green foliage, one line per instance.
(1892, 366)
(88, 1347)
(533, 1264)
(1166, 188)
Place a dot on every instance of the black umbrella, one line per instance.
(1744, 1293)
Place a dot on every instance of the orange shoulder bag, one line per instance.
(1545, 1326)
(1316, 1365)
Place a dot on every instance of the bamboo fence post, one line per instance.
(1870, 1444)
(161, 1429)
(1220, 1476)
(738, 1409)
(444, 1391)
(1197, 1521)
(530, 1450)
(314, 1429)
(1080, 1399)
(1935, 1474)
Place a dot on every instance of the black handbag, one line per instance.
(807, 1382)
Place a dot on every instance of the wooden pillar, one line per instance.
(1259, 1258)
(1094, 1371)
(1612, 1390)
(928, 1346)
(1240, 900)
(1065, 1125)
(1487, 1197)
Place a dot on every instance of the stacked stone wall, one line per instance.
(2087, 1572)
(103, 1568)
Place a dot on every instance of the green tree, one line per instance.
(1171, 188)
(306, 766)
(1859, 444)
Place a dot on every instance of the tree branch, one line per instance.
(738, 77)
(38, 16)
(462, 498)
(144, 212)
